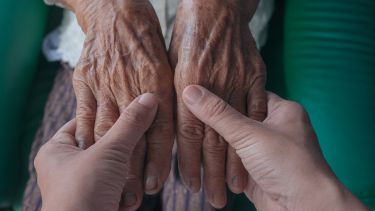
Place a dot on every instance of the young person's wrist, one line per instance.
(326, 194)
(66, 201)
(62, 205)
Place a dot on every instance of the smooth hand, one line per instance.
(124, 56)
(287, 170)
(212, 46)
(71, 178)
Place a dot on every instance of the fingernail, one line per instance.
(218, 199)
(130, 199)
(148, 100)
(193, 185)
(235, 181)
(192, 94)
(237, 184)
(81, 144)
(151, 183)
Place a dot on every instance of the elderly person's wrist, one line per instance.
(94, 15)
(244, 9)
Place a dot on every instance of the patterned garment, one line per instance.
(59, 109)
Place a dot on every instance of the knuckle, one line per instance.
(258, 111)
(297, 110)
(191, 131)
(258, 105)
(258, 65)
(216, 107)
(158, 145)
(217, 177)
(107, 106)
(99, 133)
(214, 145)
(79, 82)
(258, 83)
(134, 118)
(104, 122)
(258, 115)
(162, 125)
(214, 151)
(85, 112)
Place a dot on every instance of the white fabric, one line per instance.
(71, 37)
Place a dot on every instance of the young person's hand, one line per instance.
(71, 178)
(282, 155)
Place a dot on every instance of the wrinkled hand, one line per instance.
(93, 179)
(124, 56)
(286, 167)
(212, 46)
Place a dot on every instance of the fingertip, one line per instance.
(236, 184)
(148, 100)
(192, 94)
(218, 200)
(69, 127)
(190, 134)
(190, 180)
(84, 134)
(130, 199)
(273, 99)
(192, 184)
(152, 185)
(81, 144)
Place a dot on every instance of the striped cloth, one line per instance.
(59, 109)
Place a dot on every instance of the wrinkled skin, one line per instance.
(124, 56)
(212, 46)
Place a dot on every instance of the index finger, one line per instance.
(213, 111)
(69, 127)
(65, 135)
(132, 124)
(273, 100)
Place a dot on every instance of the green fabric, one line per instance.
(330, 69)
(22, 25)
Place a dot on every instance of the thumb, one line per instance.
(238, 130)
(132, 124)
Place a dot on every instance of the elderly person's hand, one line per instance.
(124, 56)
(71, 178)
(287, 170)
(212, 46)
